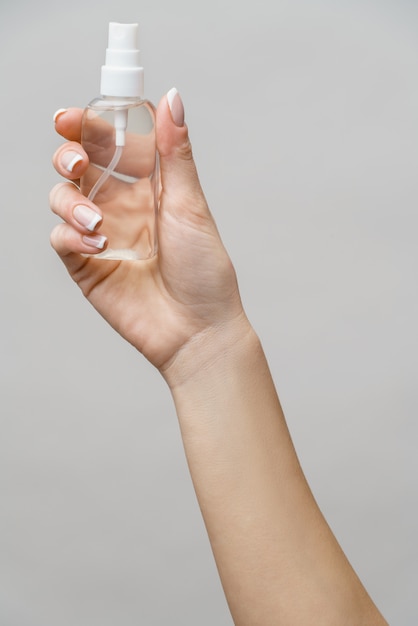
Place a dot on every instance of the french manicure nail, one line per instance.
(96, 241)
(86, 217)
(70, 159)
(175, 104)
(58, 113)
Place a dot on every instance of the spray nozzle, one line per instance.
(122, 74)
(123, 37)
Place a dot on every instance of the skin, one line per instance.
(278, 560)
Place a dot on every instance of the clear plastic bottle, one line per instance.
(118, 134)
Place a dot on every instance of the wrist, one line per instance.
(206, 355)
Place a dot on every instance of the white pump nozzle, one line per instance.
(122, 74)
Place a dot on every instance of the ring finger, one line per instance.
(69, 204)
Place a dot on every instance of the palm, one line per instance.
(159, 304)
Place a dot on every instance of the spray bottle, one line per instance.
(118, 134)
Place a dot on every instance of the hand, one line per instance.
(188, 288)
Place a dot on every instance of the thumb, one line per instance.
(181, 188)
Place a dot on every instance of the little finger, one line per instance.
(68, 242)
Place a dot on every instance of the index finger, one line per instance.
(69, 125)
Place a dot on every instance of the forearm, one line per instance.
(278, 561)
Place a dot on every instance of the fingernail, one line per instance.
(86, 217)
(58, 113)
(70, 159)
(97, 241)
(176, 107)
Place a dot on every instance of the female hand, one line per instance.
(188, 288)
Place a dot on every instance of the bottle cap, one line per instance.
(122, 75)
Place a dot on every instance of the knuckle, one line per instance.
(59, 195)
(185, 151)
(54, 237)
(54, 193)
(61, 239)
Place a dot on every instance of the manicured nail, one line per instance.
(58, 113)
(96, 241)
(176, 106)
(70, 159)
(86, 217)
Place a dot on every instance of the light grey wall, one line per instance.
(304, 121)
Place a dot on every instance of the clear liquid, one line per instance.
(127, 192)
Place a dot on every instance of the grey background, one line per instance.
(304, 121)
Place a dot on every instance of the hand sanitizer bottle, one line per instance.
(118, 134)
